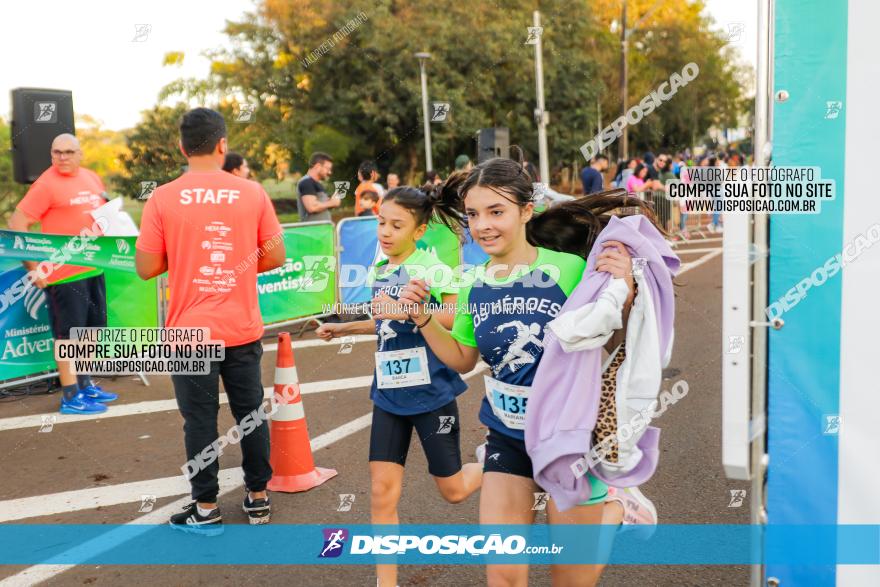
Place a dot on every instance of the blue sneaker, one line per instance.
(96, 394)
(80, 404)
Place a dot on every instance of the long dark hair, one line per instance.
(639, 168)
(569, 227)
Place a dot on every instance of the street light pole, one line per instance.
(540, 115)
(624, 138)
(624, 72)
(423, 57)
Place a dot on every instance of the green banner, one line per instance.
(131, 301)
(306, 284)
(443, 243)
(104, 252)
(27, 347)
(24, 324)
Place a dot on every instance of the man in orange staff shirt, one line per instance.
(61, 201)
(202, 228)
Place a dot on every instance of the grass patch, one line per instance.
(279, 190)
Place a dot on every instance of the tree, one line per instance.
(671, 35)
(153, 153)
(342, 73)
(366, 86)
(104, 150)
(10, 192)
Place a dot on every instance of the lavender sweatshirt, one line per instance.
(564, 398)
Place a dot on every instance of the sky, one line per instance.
(735, 12)
(95, 50)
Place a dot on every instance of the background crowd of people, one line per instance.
(642, 176)
(652, 173)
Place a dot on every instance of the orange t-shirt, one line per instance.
(361, 188)
(208, 223)
(62, 204)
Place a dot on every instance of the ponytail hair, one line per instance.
(505, 177)
(572, 227)
(431, 202)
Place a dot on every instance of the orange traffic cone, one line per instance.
(293, 468)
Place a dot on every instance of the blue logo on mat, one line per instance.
(334, 542)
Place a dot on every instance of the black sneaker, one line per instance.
(189, 520)
(259, 511)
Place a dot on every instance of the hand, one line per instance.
(414, 296)
(334, 202)
(384, 307)
(615, 259)
(328, 332)
(34, 275)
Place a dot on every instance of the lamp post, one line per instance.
(541, 116)
(423, 58)
(624, 74)
(625, 33)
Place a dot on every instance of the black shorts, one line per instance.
(77, 304)
(438, 430)
(505, 454)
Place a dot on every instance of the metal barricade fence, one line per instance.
(669, 212)
(663, 208)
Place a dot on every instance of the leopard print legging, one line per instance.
(606, 421)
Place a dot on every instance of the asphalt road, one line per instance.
(86, 471)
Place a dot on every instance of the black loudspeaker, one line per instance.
(492, 142)
(38, 116)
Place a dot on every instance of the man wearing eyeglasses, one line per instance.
(656, 167)
(61, 201)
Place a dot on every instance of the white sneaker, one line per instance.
(637, 509)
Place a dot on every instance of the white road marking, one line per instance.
(84, 499)
(148, 407)
(694, 264)
(164, 405)
(304, 344)
(696, 241)
(703, 250)
(108, 495)
(331, 385)
(230, 480)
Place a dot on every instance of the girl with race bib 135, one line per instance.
(533, 266)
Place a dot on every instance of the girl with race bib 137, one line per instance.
(411, 387)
